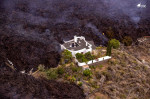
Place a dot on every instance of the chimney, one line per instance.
(75, 38)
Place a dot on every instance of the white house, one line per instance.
(78, 45)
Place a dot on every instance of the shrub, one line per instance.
(92, 67)
(67, 55)
(88, 56)
(66, 76)
(41, 67)
(79, 83)
(114, 43)
(60, 71)
(71, 78)
(127, 41)
(81, 57)
(52, 74)
(100, 66)
(74, 69)
(87, 72)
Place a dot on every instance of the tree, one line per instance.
(67, 55)
(88, 56)
(127, 41)
(109, 48)
(114, 43)
(80, 57)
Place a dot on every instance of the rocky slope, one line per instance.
(127, 74)
(15, 85)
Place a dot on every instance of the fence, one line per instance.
(94, 61)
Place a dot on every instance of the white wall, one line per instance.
(94, 61)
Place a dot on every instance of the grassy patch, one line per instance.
(51, 74)
(60, 70)
(79, 83)
(87, 72)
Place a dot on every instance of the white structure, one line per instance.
(93, 61)
(78, 45)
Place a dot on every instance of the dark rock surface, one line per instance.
(30, 32)
(15, 85)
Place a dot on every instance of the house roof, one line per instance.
(92, 43)
(80, 44)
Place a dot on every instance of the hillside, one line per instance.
(125, 76)
(15, 85)
(31, 32)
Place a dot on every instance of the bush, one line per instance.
(67, 55)
(60, 71)
(71, 78)
(79, 83)
(87, 72)
(74, 69)
(115, 43)
(84, 57)
(93, 67)
(88, 56)
(41, 67)
(66, 76)
(100, 66)
(52, 74)
(81, 57)
(127, 41)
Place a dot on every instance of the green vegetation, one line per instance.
(88, 56)
(51, 74)
(60, 70)
(109, 48)
(71, 78)
(93, 67)
(75, 69)
(115, 43)
(41, 67)
(79, 83)
(84, 57)
(112, 44)
(100, 66)
(87, 72)
(80, 57)
(127, 41)
(67, 56)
